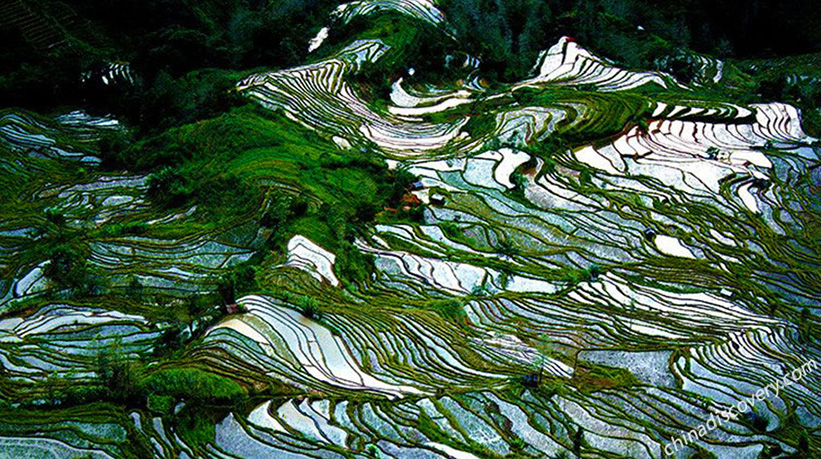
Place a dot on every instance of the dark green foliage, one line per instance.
(220, 163)
(117, 375)
(576, 276)
(354, 265)
(68, 269)
(506, 35)
(163, 404)
(452, 309)
(519, 183)
(518, 444)
(399, 182)
(759, 422)
(578, 441)
(531, 380)
(163, 42)
(585, 177)
(593, 272)
(193, 385)
(39, 78)
(423, 47)
(123, 229)
(171, 102)
(479, 125)
(375, 84)
(309, 307)
(777, 84)
(170, 187)
(134, 289)
(238, 281)
(452, 231)
(170, 340)
(593, 377)
(803, 449)
(702, 453)
(506, 247)
(281, 210)
(197, 424)
(724, 28)
(548, 148)
(54, 217)
(73, 394)
(805, 324)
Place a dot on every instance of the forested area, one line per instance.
(187, 192)
(162, 42)
(508, 34)
(169, 45)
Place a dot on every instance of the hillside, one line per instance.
(409, 229)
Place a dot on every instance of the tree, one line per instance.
(507, 248)
(578, 440)
(507, 35)
(68, 269)
(805, 324)
(237, 281)
(310, 307)
(803, 445)
(169, 187)
(117, 374)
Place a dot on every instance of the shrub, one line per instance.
(54, 217)
(310, 307)
(163, 404)
(578, 441)
(759, 422)
(703, 454)
(505, 247)
(135, 288)
(195, 425)
(68, 269)
(354, 265)
(804, 443)
(519, 183)
(192, 384)
(452, 310)
(169, 187)
(591, 378)
(279, 211)
(118, 376)
(237, 281)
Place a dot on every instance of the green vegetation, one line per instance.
(590, 378)
(163, 43)
(587, 378)
(241, 279)
(120, 330)
(190, 384)
(575, 276)
(228, 165)
(702, 453)
(452, 310)
(310, 307)
(506, 35)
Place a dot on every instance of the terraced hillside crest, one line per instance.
(590, 262)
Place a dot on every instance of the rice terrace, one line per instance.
(410, 229)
